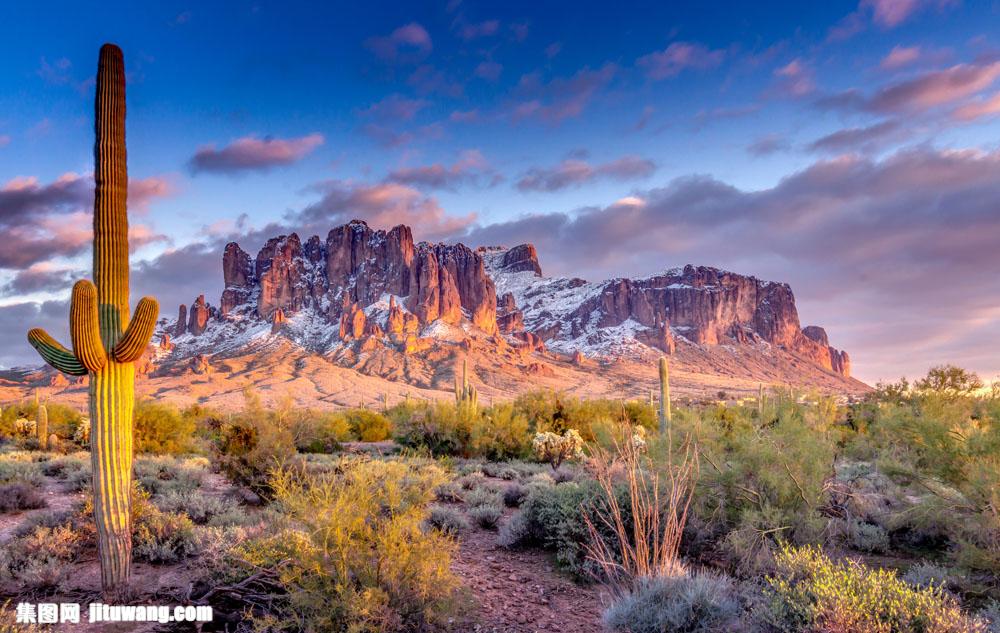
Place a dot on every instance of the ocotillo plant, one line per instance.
(665, 413)
(42, 427)
(106, 342)
(465, 394)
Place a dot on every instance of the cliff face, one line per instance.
(703, 305)
(351, 270)
(379, 288)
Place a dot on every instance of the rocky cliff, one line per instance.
(374, 288)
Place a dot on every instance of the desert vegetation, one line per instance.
(786, 512)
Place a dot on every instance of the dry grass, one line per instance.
(647, 532)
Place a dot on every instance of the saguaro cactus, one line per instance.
(106, 342)
(42, 427)
(465, 394)
(665, 413)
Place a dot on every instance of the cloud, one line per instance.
(252, 154)
(978, 109)
(15, 321)
(795, 79)
(886, 14)
(407, 44)
(677, 57)
(865, 139)
(394, 108)
(382, 205)
(53, 220)
(574, 172)
(924, 92)
(769, 144)
(470, 169)
(57, 73)
(561, 98)
(487, 28)
(40, 277)
(427, 79)
(489, 70)
(4, 140)
(899, 57)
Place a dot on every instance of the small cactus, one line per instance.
(42, 427)
(665, 413)
(465, 394)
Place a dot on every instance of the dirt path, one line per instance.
(519, 591)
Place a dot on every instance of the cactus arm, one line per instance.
(84, 328)
(139, 331)
(53, 353)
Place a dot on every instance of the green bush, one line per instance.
(161, 474)
(39, 558)
(448, 520)
(19, 495)
(352, 555)
(689, 603)
(369, 426)
(161, 537)
(248, 451)
(160, 428)
(809, 592)
(321, 433)
(501, 433)
(486, 516)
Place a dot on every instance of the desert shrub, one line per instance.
(445, 519)
(442, 428)
(249, 451)
(368, 426)
(515, 531)
(66, 466)
(17, 467)
(808, 591)
(556, 448)
(160, 428)
(486, 516)
(867, 537)
(514, 494)
(481, 497)
(553, 517)
(472, 480)
(449, 491)
(161, 537)
(63, 419)
(159, 475)
(37, 559)
(353, 556)
(501, 433)
(321, 433)
(687, 603)
(501, 470)
(20, 496)
(202, 509)
(925, 575)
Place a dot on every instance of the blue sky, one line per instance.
(848, 148)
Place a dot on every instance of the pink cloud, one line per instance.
(890, 13)
(382, 205)
(469, 32)
(489, 70)
(406, 44)
(936, 88)
(899, 57)
(253, 154)
(979, 109)
(678, 57)
(4, 140)
(561, 98)
(470, 168)
(395, 108)
(795, 78)
(574, 172)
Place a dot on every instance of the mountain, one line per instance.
(370, 313)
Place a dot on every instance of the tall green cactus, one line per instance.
(666, 416)
(106, 342)
(465, 394)
(42, 427)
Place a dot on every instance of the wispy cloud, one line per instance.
(406, 44)
(253, 154)
(561, 98)
(978, 109)
(864, 139)
(575, 172)
(471, 168)
(677, 57)
(769, 144)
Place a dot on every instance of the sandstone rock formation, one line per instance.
(372, 288)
